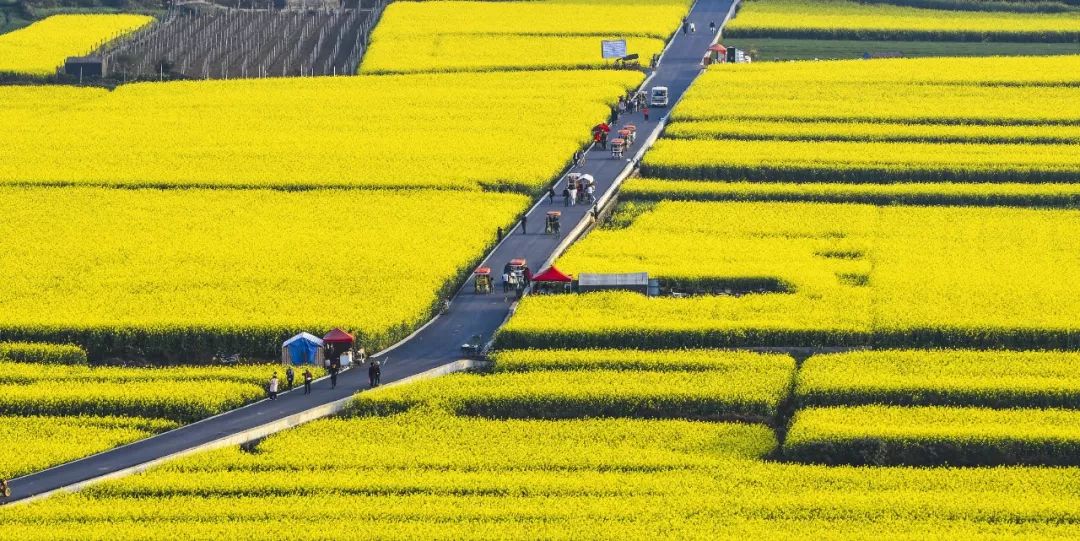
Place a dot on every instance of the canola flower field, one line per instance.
(43, 46)
(440, 475)
(883, 435)
(848, 19)
(836, 274)
(54, 409)
(547, 445)
(539, 34)
(420, 131)
(886, 123)
(993, 379)
(165, 269)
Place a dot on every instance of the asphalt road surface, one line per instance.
(439, 342)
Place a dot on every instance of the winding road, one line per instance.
(438, 343)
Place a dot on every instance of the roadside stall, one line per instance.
(304, 348)
(338, 345)
(552, 280)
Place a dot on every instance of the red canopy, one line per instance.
(718, 48)
(338, 336)
(552, 275)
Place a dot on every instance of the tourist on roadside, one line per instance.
(645, 111)
(307, 380)
(498, 234)
(603, 140)
(374, 373)
(5, 490)
(290, 375)
(551, 195)
(524, 224)
(590, 191)
(361, 355)
(566, 197)
(335, 367)
(273, 387)
(528, 276)
(573, 194)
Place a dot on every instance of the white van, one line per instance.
(658, 97)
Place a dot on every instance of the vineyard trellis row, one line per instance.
(220, 43)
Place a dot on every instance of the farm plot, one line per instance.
(172, 271)
(831, 275)
(931, 131)
(996, 379)
(884, 435)
(451, 477)
(847, 19)
(742, 388)
(43, 46)
(434, 131)
(53, 413)
(540, 34)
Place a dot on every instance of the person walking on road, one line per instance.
(712, 27)
(603, 140)
(551, 195)
(273, 387)
(335, 367)
(566, 197)
(693, 29)
(685, 26)
(645, 111)
(524, 225)
(374, 373)
(307, 380)
(290, 375)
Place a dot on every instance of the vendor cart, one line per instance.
(482, 280)
(552, 226)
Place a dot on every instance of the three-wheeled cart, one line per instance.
(482, 280)
(618, 146)
(552, 226)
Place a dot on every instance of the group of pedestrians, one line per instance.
(274, 386)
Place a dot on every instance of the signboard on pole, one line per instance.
(613, 48)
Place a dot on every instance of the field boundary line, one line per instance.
(256, 433)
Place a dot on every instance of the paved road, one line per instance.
(438, 343)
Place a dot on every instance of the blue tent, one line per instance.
(303, 348)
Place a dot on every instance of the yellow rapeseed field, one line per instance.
(847, 274)
(942, 377)
(909, 193)
(440, 131)
(537, 34)
(33, 443)
(150, 266)
(847, 19)
(426, 476)
(43, 46)
(884, 435)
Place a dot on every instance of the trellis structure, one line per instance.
(206, 41)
